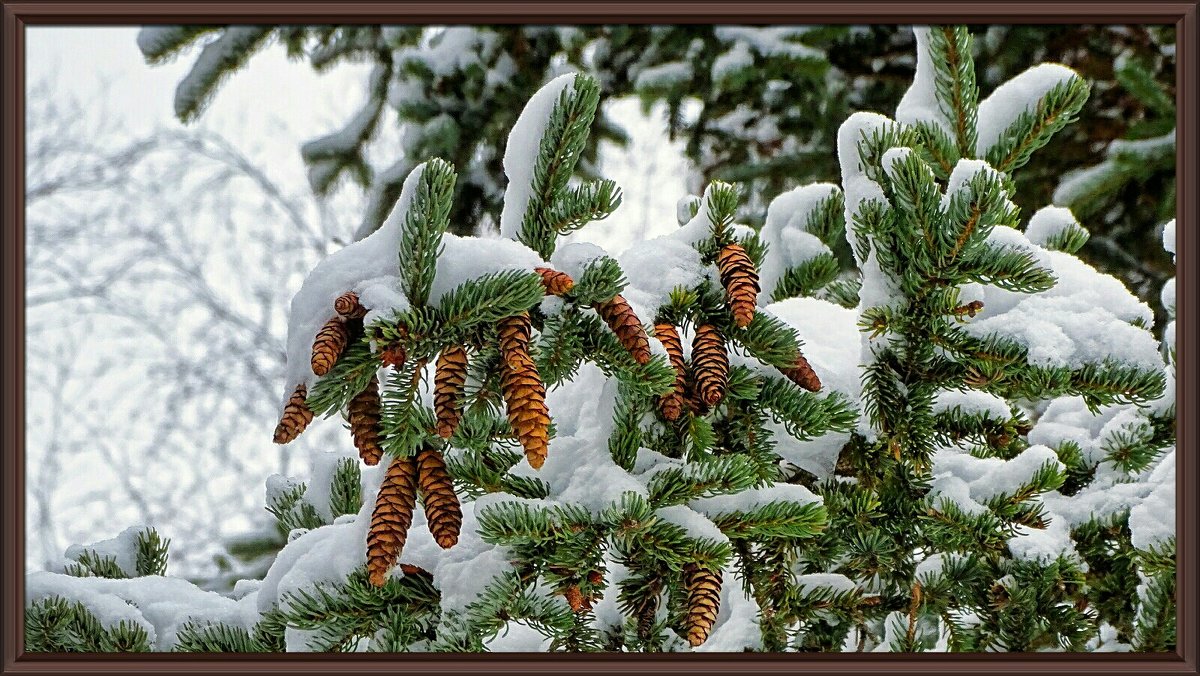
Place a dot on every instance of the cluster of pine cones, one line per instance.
(407, 477)
(698, 386)
(702, 385)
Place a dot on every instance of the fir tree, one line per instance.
(715, 440)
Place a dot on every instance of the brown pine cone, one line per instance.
(710, 364)
(442, 509)
(671, 404)
(646, 611)
(391, 519)
(740, 280)
(364, 422)
(703, 601)
(523, 390)
(448, 384)
(347, 305)
(296, 416)
(802, 374)
(556, 283)
(328, 346)
(620, 317)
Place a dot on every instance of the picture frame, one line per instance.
(19, 15)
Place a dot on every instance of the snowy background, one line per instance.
(161, 259)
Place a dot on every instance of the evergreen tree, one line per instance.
(714, 441)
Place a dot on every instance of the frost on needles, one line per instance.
(717, 440)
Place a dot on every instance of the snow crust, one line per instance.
(790, 242)
(919, 103)
(520, 153)
(1049, 222)
(159, 605)
(1020, 94)
(122, 549)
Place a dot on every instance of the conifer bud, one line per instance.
(523, 390)
(710, 364)
(671, 404)
(393, 355)
(442, 508)
(296, 416)
(347, 305)
(448, 384)
(621, 318)
(556, 283)
(328, 346)
(576, 599)
(365, 413)
(391, 519)
(703, 588)
(740, 280)
(802, 374)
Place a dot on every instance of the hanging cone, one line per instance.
(710, 364)
(448, 384)
(556, 283)
(523, 390)
(328, 346)
(296, 416)
(740, 280)
(703, 601)
(620, 317)
(441, 502)
(391, 519)
(364, 422)
(646, 612)
(802, 374)
(347, 305)
(671, 404)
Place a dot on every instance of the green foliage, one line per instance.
(424, 223)
(552, 210)
(1033, 129)
(58, 625)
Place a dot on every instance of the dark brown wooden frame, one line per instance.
(18, 15)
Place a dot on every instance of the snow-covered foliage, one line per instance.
(959, 452)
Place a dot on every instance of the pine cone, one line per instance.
(646, 612)
(364, 422)
(523, 390)
(710, 364)
(441, 502)
(347, 305)
(391, 519)
(296, 416)
(703, 601)
(802, 374)
(328, 346)
(448, 384)
(740, 280)
(671, 404)
(556, 283)
(620, 317)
